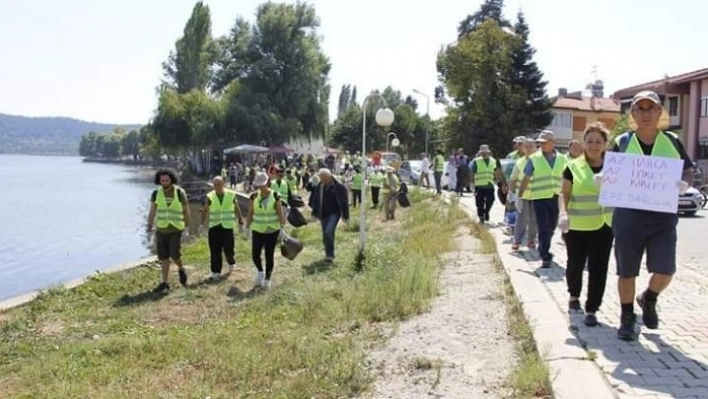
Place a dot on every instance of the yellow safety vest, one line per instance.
(222, 212)
(265, 216)
(281, 188)
(292, 184)
(584, 210)
(514, 155)
(386, 188)
(224, 173)
(485, 172)
(546, 182)
(376, 179)
(663, 146)
(171, 214)
(439, 163)
(521, 165)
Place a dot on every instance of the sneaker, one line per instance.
(486, 217)
(182, 276)
(260, 276)
(161, 288)
(649, 316)
(531, 245)
(266, 284)
(546, 264)
(515, 246)
(329, 259)
(232, 268)
(215, 276)
(626, 330)
(590, 320)
(574, 304)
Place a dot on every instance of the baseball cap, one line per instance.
(646, 95)
(545, 136)
(519, 139)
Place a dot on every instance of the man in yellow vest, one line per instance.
(639, 232)
(169, 210)
(357, 185)
(376, 181)
(438, 170)
(525, 217)
(544, 173)
(485, 171)
(280, 186)
(221, 212)
(518, 152)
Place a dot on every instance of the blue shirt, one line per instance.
(528, 169)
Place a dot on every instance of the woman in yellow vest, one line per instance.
(587, 224)
(266, 222)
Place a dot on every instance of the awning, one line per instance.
(279, 149)
(245, 148)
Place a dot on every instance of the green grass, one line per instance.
(305, 338)
(530, 377)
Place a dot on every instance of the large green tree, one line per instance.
(534, 111)
(474, 70)
(490, 9)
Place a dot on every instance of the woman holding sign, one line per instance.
(640, 231)
(586, 223)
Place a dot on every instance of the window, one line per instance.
(562, 120)
(704, 106)
(703, 150)
(673, 106)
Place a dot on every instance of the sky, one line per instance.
(101, 60)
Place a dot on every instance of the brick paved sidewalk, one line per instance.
(671, 362)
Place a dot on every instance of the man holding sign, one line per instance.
(655, 166)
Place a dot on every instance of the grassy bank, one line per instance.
(530, 378)
(305, 338)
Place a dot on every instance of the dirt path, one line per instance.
(461, 348)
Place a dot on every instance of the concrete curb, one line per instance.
(572, 374)
(23, 299)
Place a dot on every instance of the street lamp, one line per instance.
(395, 142)
(384, 117)
(427, 113)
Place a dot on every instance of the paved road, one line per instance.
(671, 362)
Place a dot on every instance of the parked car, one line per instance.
(691, 202)
(410, 171)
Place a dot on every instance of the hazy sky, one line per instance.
(99, 60)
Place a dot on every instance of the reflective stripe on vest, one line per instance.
(521, 164)
(281, 188)
(292, 184)
(222, 212)
(546, 182)
(376, 180)
(439, 163)
(485, 172)
(265, 217)
(584, 210)
(663, 146)
(167, 215)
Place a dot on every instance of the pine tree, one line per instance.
(536, 113)
(489, 9)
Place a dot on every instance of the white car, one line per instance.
(691, 202)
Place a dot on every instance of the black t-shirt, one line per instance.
(568, 175)
(647, 148)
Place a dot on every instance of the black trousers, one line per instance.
(356, 200)
(221, 240)
(267, 242)
(375, 191)
(484, 198)
(593, 247)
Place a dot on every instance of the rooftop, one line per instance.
(590, 104)
(663, 86)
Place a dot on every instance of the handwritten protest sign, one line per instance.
(640, 182)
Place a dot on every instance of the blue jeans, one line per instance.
(547, 220)
(329, 227)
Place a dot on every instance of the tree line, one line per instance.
(268, 81)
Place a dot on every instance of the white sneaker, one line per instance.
(215, 276)
(260, 276)
(232, 268)
(266, 284)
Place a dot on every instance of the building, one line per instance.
(685, 98)
(572, 112)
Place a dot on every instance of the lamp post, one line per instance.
(384, 117)
(395, 142)
(427, 113)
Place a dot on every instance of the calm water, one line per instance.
(64, 219)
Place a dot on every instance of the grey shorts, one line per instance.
(169, 245)
(644, 232)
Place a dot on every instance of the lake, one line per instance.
(65, 219)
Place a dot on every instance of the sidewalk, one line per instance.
(671, 362)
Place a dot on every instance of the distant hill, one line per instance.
(47, 135)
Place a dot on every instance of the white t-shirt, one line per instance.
(425, 165)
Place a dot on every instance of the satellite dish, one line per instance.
(395, 142)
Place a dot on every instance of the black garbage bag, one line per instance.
(296, 218)
(501, 194)
(403, 200)
(290, 247)
(296, 201)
